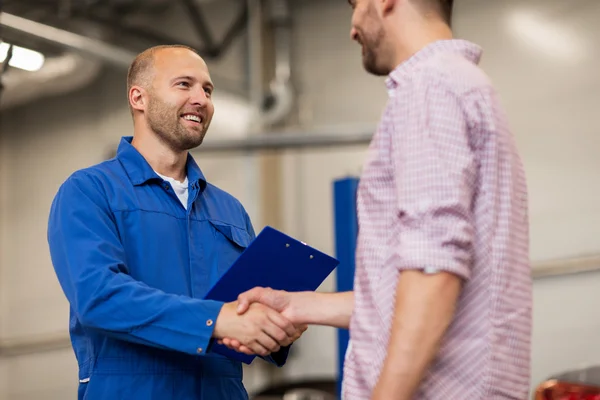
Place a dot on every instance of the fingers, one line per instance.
(245, 350)
(286, 331)
(237, 346)
(265, 342)
(265, 332)
(277, 332)
(228, 342)
(294, 332)
(266, 329)
(257, 347)
(232, 343)
(298, 333)
(300, 329)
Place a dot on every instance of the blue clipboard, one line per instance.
(276, 260)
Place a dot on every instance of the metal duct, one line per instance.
(281, 95)
(69, 40)
(59, 75)
(288, 141)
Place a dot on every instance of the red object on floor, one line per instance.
(557, 390)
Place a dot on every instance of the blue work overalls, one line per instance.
(135, 265)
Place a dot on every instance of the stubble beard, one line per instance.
(166, 124)
(372, 42)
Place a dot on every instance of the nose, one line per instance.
(353, 34)
(199, 97)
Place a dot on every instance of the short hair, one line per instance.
(141, 67)
(442, 7)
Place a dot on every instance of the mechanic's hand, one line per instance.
(278, 300)
(261, 330)
(234, 344)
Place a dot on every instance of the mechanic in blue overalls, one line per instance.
(137, 241)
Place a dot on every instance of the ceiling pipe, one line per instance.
(279, 101)
(58, 75)
(86, 45)
(288, 141)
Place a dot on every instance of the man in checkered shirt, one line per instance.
(441, 307)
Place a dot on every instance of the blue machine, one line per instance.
(346, 231)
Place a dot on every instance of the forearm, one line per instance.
(330, 309)
(423, 311)
(139, 314)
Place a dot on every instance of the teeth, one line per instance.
(192, 118)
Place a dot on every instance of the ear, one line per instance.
(137, 98)
(387, 6)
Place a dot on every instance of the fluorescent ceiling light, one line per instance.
(548, 36)
(22, 58)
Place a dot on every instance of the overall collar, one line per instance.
(140, 172)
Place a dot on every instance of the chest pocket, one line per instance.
(230, 242)
(235, 235)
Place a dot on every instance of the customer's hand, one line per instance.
(278, 300)
(260, 330)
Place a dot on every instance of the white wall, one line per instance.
(543, 56)
(3, 294)
(549, 100)
(566, 324)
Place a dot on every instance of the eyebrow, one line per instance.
(191, 78)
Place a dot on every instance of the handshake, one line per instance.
(260, 322)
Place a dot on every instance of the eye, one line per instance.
(208, 91)
(183, 84)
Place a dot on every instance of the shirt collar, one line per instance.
(140, 172)
(466, 49)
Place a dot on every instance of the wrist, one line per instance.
(222, 319)
(301, 305)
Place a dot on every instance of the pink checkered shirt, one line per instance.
(443, 188)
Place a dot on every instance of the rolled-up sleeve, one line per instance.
(435, 172)
(90, 264)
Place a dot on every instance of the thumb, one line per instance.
(242, 306)
(246, 298)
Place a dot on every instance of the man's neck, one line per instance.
(161, 157)
(420, 34)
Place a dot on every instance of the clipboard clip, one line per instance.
(311, 256)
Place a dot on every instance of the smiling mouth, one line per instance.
(194, 118)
